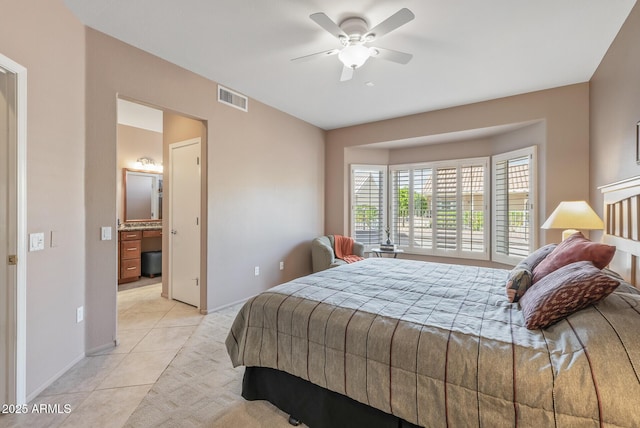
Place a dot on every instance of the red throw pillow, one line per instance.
(574, 249)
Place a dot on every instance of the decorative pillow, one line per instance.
(520, 277)
(563, 292)
(573, 249)
(532, 260)
(517, 284)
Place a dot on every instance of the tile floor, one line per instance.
(104, 389)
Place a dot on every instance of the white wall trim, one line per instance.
(102, 348)
(228, 305)
(18, 325)
(55, 377)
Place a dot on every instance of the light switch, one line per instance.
(105, 233)
(36, 241)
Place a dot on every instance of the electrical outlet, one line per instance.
(281, 265)
(79, 314)
(257, 270)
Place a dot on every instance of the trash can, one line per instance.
(151, 263)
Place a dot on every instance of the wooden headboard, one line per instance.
(622, 225)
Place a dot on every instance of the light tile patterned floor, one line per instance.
(200, 388)
(104, 390)
(171, 369)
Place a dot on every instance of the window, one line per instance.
(514, 193)
(411, 211)
(368, 201)
(440, 208)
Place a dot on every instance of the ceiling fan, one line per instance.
(354, 35)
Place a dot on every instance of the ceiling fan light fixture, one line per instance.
(353, 33)
(354, 56)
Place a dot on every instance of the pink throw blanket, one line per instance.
(344, 249)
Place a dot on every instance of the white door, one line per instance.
(12, 225)
(184, 218)
(5, 277)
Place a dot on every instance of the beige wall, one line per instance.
(615, 111)
(49, 41)
(265, 179)
(562, 115)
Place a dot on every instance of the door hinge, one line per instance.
(198, 160)
(197, 221)
(12, 260)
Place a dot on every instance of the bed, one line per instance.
(390, 343)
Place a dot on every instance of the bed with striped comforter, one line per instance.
(440, 345)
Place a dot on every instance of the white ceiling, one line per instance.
(464, 50)
(139, 116)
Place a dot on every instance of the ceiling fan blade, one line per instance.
(316, 55)
(396, 20)
(391, 55)
(325, 22)
(347, 74)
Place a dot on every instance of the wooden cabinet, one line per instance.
(131, 243)
(153, 233)
(129, 255)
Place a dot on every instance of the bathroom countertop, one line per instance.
(140, 225)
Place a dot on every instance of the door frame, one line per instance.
(17, 300)
(170, 213)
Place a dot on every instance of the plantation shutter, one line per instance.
(368, 191)
(501, 211)
(439, 208)
(473, 208)
(400, 208)
(422, 209)
(446, 201)
(513, 196)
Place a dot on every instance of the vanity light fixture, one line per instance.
(148, 164)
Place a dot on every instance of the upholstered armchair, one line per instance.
(323, 255)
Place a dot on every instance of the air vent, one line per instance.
(233, 99)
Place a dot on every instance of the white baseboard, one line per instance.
(55, 377)
(101, 348)
(218, 308)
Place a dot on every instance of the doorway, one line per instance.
(169, 128)
(139, 194)
(13, 113)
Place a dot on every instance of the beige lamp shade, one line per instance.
(573, 216)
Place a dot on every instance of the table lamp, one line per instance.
(573, 215)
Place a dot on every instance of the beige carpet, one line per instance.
(200, 388)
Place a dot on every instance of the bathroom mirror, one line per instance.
(142, 195)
